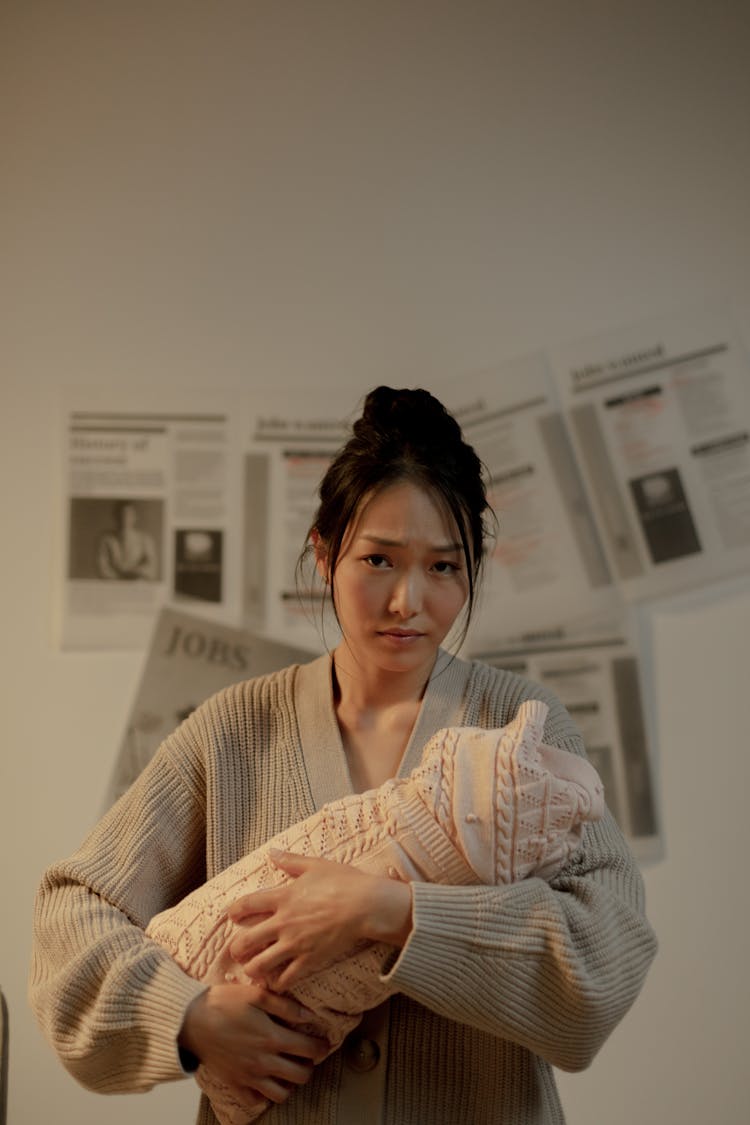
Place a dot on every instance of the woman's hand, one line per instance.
(244, 1035)
(323, 914)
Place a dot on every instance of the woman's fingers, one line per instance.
(284, 1076)
(321, 914)
(282, 1007)
(294, 864)
(287, 975)
(257, 903)
(251, 940)
(267, 901)
(243, 1044)
(271, 1090)
(301, 1048)
(276, 968)
(274, 964)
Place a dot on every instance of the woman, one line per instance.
(495, 984)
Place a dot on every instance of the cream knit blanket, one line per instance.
(483, 807)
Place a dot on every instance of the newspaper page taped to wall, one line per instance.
(150, 501)
(288, 445)
(547, 569)
(189, 658)
(659, 416)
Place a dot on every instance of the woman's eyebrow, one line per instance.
(385, 541)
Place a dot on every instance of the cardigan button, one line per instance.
(361, 1055)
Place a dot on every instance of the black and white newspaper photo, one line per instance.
(660, 419)
(150, 495)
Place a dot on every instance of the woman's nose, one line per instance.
(406, 596)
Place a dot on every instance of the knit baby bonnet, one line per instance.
(512, 805)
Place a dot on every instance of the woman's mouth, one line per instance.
(401, 635)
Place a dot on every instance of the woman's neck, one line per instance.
(371, 689)
(376, 716)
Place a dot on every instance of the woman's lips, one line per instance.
(401, 635)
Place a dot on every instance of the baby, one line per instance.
(483, 807)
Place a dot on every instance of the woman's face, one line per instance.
(400, 580)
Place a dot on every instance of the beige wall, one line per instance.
(338, 194)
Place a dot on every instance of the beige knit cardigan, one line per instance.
(496, 985)
(482, 807)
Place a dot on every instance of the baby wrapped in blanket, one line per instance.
(483, 807)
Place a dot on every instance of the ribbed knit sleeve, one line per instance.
(551, 966)
(110, 1001)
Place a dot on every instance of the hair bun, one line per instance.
(408, 415)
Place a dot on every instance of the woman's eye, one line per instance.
(377, 561)
(446, 567)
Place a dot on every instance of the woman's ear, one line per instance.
(321, 554)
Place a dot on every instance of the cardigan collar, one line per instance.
(325, 758)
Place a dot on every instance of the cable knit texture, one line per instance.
(495, 986)
(482, 807)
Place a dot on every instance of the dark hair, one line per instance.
(405, 435)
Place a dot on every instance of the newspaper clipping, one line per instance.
(148, 506)
(548, 569)
(189, 658)
(660, 420)
(288, 449)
